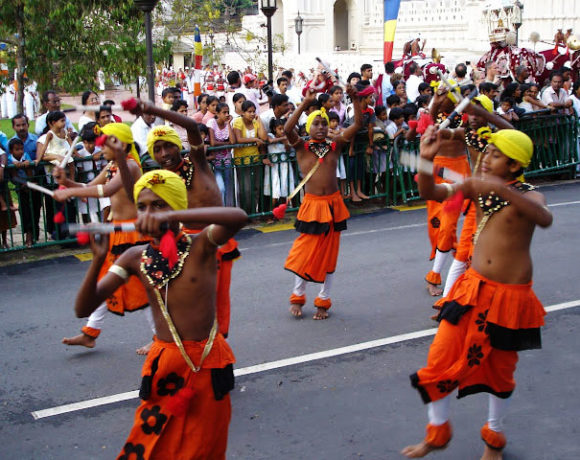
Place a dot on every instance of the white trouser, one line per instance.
(440, 259)
(97, 317)
(455, 271)
(438, 411)
(300, 286)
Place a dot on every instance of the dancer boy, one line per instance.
(185, 409)
(108, 183)
(491, 312)
(322, 214)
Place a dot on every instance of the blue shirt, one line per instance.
(29, 145)
(19, 172)
(3, 142)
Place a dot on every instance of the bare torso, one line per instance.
(323, 182)
(191, 302)
(502, 251)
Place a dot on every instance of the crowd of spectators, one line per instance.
(242, 120)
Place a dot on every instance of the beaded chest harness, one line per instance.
(492, 203)
(320, 149)
(186, 170)
(155, 267)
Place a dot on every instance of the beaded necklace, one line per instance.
(492, 203)
(320, 149)
(186, 170)
(155, 267)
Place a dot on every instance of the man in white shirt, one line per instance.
(51, 102)
(414, 80)
(279, 104)
(249, 91)
(555, 96)
(140, 128)
(234, 84)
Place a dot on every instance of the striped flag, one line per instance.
(198, 52)
(391, 13)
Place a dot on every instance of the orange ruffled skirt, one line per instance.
(226, 255)
(130, 296)
(320, 220)
(202, 431)
(442, 225)
(483, 325)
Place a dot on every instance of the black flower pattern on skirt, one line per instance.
(435, 222)
(113, 300)
(474, 355)
(170, 385)
(133, 452)
(447, 386)
(160, 420)
(481, 321)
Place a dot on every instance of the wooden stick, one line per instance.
(416, 163)
(303, 181)
(68, 155)
(458, 110)
(101, 228)
(96, 108)
(38, 188)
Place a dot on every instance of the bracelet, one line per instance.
(100, 191)
(210, 235)
(449, 188)
(196, 147)
(119, 271)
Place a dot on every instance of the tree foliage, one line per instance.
(64, 43)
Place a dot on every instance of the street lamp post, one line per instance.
(147, 7)
(517, 18)
(298, 21)
(211, 35)
(269, 7)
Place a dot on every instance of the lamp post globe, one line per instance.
(269, 7)
(147, 7)
(298, 23)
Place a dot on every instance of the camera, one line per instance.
(268, 89)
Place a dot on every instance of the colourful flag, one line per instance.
(198, 52)
(391, 13)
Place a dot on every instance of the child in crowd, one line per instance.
(104, 116)
(337, 98)
(381, 149)
(180, 106)
(393, 101)
(395, 127)
(93, 162)
(506, 109)
(238, 100)
(220, 134)
(335, 129)
(278, 176)
(248, 129)
(168, 96)
(326, 101)
(28, 199)
(54, 143)
(201, 106)
(422, 105)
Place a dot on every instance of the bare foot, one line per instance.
(13, 207)
(355, 198)
(362, 195)
(322, 313)
(491, 454)
(296, 310)
(144, 349)
(418, 450)
(81, 339)
(434, 290)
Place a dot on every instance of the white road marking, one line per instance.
(81, 405)
(565, 203)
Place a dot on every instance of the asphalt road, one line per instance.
(356, 405)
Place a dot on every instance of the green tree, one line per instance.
(62, 44)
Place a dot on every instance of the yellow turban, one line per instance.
(313, 115)
(513, 144)
(162, 133)
(122, 132)
(485, 102)
(165, 184)
(450, 95)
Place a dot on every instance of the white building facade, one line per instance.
(348, 33)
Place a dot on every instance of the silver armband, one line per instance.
(119, 271)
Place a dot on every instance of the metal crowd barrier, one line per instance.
(257, 187)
